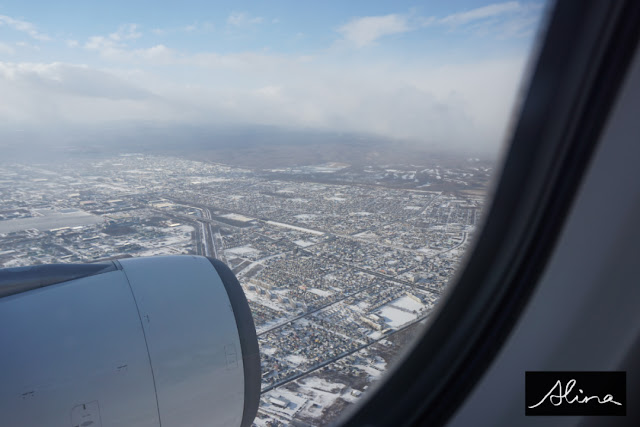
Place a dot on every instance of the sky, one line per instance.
(442, 73)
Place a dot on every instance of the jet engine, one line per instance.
(157, 341)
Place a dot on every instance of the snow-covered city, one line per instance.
(341, 265)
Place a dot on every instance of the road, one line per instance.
(205, 241)
(341, 356)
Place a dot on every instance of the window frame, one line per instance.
(579, 67)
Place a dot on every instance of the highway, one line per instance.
(205, 239)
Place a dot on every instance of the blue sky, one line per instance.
(410, 70)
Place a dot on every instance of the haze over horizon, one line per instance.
(444, 74)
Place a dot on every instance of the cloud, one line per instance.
(456, 106)
(23, 26)
(503, 20)
(126, 32)
(159, 54)
(103, 44)
(241, 19)
(70, 80)
(115, 41)
(115, 46)
(38, 95)
(484, 12)
(196, 27)
(112, 50)
(364, 31)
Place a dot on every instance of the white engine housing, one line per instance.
(141, 342)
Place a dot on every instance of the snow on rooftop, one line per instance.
(303, 243)
(366, 235)
(320, 292)
(296, 359)
(305, 217)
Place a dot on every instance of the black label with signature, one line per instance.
(575, 393)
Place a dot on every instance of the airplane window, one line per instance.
(336, 156)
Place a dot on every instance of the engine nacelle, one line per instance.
(138, 342)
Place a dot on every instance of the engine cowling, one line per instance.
(138, 342)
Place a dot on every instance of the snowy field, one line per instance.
(236, 217)
(49, 221)
(396, 317)
(407, 303)
(242, 251)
